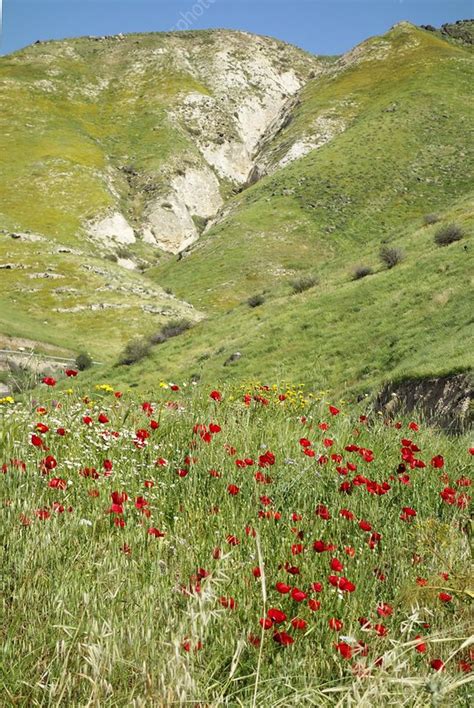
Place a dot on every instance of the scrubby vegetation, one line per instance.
(391, 256)
(361, 271)
(306, 282)
(256, 300)
(448, 234)
(170, 329)
(135, 350)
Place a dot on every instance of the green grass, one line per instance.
(97, 614)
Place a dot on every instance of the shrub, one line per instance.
(448, 234)
(361, 272)
(123, 252)
(255, 300)
(135, 350)
(83, 361)
(391, 256)
(304, 283)
(170, 329)
(429, 219)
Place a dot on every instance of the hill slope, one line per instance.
(262, 165)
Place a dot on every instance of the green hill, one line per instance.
(268, 170)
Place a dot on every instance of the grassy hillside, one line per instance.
(405, 153)
(370, 145)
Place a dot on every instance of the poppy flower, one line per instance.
(155, 532)
(275, 615)
(333, 410)
(437, 461)
(233, 489)
(437, 664)
(228, 602)
(298, 595)
(215, 395)
(384, 610)
(314, 605)
(298, 623)
(335, 624)
(283, 638)
(266, 622)
(36, 441)
(420, 646)
(49, 381)
(344, 649)
(445, 597)
(57, 483)
(336, 565)
(71, 372)
(282, 588)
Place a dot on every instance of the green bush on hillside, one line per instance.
(255, 300)
(391, 256)
(448, 234)
(169, 330)
(83, 361)
(361, 271)
(136, 350)
(304, 283)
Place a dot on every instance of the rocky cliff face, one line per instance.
(444, 400)
(158, 129)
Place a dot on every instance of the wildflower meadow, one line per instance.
(247, 545)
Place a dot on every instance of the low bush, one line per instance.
(361, 272)
(429, 219)
(255, 300)
(83, 361)
(391, 256)
(448, 234)
(169, 330)
(304, 283)
(135, 350)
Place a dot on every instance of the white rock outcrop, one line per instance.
(112, 228)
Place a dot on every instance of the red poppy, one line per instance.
(445, 597)
(335, 624)
(155, 532)
(283, 638)
(49, 381)
(437, 664)
(298, 595)
(71, 372)
(215, 395)
(275, 615)
(298, 623)
(282, 588)
(344, 649)
(233, 489)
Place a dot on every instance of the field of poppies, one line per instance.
(248, 546)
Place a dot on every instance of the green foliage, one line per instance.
(391, 256)
(169, 330)
(361, 271)
(306, 282)
(135, 351)
(256, 300)
(83, 361)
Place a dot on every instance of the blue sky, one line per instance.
(320, 26)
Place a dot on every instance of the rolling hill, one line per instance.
(272, 174)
